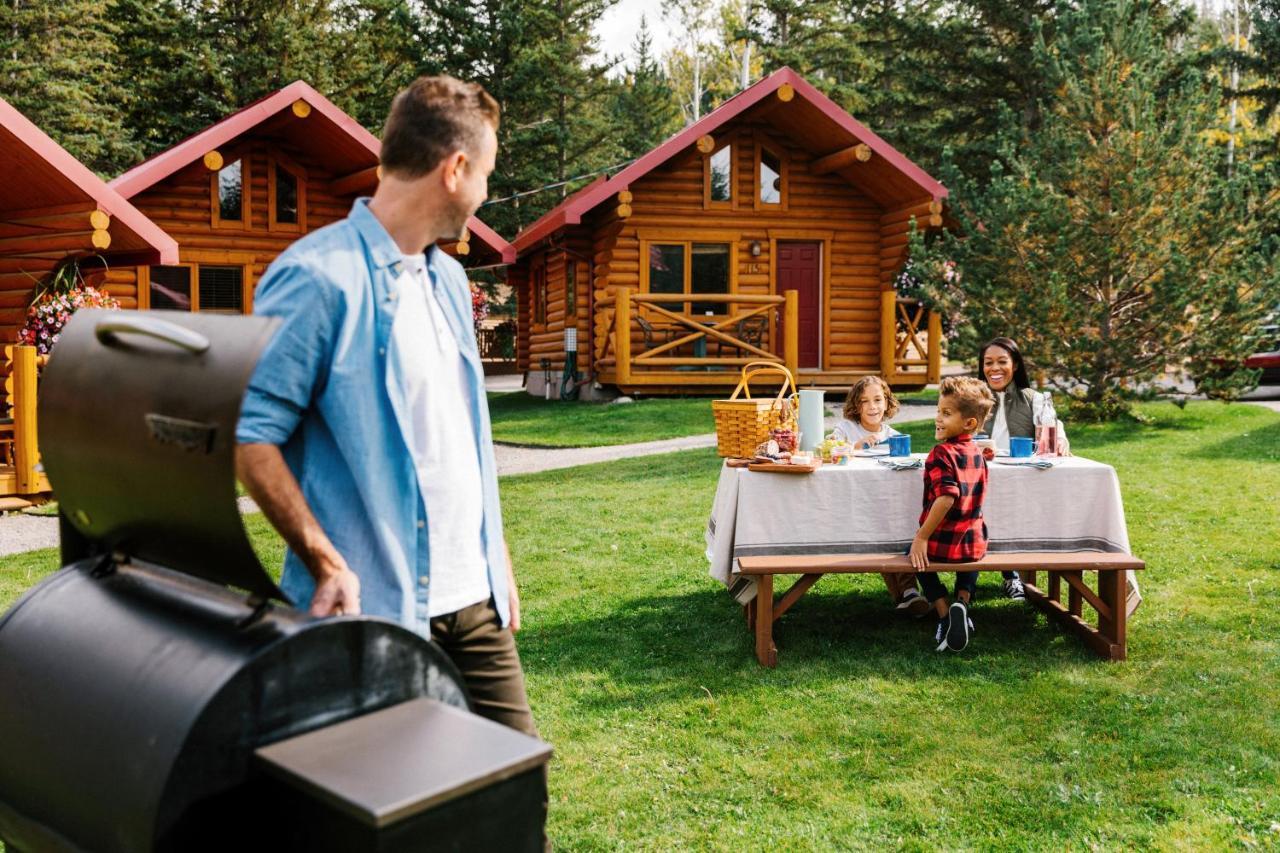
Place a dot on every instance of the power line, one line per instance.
(559, 184)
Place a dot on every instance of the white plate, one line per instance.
(875, 450)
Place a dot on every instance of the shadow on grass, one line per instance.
(660, 648)
(1256, 445)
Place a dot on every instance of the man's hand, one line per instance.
(262, 469)
(920, 553)
(513, 593)
(337, 589)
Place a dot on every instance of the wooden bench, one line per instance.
(1108, 601)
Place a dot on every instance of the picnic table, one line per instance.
(866, 508)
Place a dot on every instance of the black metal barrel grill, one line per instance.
(154, 693)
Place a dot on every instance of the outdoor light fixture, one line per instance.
(755, 248)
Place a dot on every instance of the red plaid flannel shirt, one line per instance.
(956, 468)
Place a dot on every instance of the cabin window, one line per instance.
(216, 287)
(690, 268)
(720, 176)
(666, 271)
(221, 289)
(709, 273)
(170, 288)
(770, 177)
(286, 196)
(231, 192)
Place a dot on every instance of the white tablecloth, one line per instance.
(865, 507)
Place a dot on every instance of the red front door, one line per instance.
(798, 269)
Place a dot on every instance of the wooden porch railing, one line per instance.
(19, 447)
(910, 341)
(619, 360)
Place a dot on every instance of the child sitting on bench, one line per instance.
(951, 525)
(867, 412)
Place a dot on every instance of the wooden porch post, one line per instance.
(934, 375)
(888, 332)
(622, 334)
(26, 450)
(791, 331)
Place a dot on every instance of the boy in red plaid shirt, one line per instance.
(951, 525)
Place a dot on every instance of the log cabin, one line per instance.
(236, 194)
(770, 230)
(52, 208)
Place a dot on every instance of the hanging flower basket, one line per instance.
(58, 297)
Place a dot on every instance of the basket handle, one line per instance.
(744, 384)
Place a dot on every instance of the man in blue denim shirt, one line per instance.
(364, 435)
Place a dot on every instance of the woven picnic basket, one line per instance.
(743, 421)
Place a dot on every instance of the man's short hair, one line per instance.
(971, 396)
(431, 119)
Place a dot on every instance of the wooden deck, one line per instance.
(683, 362)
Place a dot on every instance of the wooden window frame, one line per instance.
(277, 160)
(193, 260)
(684, 238)
(732, 203)
(246, 190)
(783, 178)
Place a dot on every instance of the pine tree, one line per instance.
(644, 105)
(58, 67)
(1111, 247)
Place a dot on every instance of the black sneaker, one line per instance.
(958, 627)
(1013, 588)
(940, 634)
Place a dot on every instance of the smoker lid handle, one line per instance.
(150, 327)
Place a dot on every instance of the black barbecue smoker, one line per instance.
(157, 693)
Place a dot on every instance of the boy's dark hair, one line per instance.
(1020, 380)
(431, 119)
(972, 396)
(854, 400)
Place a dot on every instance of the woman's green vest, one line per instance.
(1018, 414)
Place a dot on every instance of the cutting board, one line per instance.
(780, 468)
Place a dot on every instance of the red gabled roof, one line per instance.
(337, 138)
(38, 174)
(846, 131)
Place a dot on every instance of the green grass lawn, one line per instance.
(668, 735)
(521, 419)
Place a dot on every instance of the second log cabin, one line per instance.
(770, 230)
(238, 193)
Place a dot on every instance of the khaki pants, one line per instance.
(898, 583)
(485, 653)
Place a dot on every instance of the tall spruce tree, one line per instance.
(1110, 246)
(644, 104)
(58, 67)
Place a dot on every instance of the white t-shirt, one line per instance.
(1000, 429)
(852, 431)
(443, 443)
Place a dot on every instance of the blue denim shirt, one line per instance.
(327, 393)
